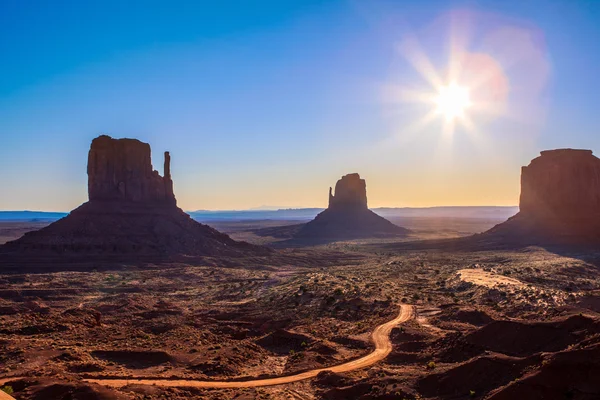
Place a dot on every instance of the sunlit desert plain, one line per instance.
(485, 323)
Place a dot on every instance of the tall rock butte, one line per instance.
(350, 192)
(121, 170)
(348, 216)
(131, 215)
(560, 200)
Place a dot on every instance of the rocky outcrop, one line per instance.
(350, 192)
(348, 216)
(121, 169)
(560, 200)
(561, 184)
(131, 215)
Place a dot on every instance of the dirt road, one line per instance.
(4, 396)
(380, 337)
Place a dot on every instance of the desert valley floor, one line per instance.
(487, 324)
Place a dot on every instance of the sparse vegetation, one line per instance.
(7, 389)
(228, 319)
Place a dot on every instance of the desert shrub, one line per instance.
(430, 365)
(7, 389)
(338, 291)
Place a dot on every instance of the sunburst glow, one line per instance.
(467, 92)
(453, 100)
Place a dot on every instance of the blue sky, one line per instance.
(270, 102)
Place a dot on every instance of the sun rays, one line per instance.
(469, 89)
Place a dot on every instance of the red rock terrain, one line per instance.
(502, 322)
(531, 335)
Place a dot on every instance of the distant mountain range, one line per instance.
(300, 214)
(31, 216)
(267, 208)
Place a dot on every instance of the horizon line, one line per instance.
(293, 208)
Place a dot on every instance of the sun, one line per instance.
(471, 89)
(452, 101)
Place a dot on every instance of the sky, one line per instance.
(271, 102)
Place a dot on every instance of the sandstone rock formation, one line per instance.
(122, 170)
(131, 215)
(348, 216)
(560, 200)
(350, 191)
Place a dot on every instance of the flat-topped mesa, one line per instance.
(121, 170)
(350, 192)
(560, 202)
(561, 184)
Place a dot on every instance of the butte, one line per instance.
(131, 216)
(347, 217)
(559, 203)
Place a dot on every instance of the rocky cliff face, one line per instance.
(121, 169)
(561, 184)
(560, 200)
(350, 191)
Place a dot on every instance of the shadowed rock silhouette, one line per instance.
(131, 215)
(350, 192)
(559, 210)
(121, 170)
(560, 201)
(347, 217)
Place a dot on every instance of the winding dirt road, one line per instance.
(4, 396)
(380, 337)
